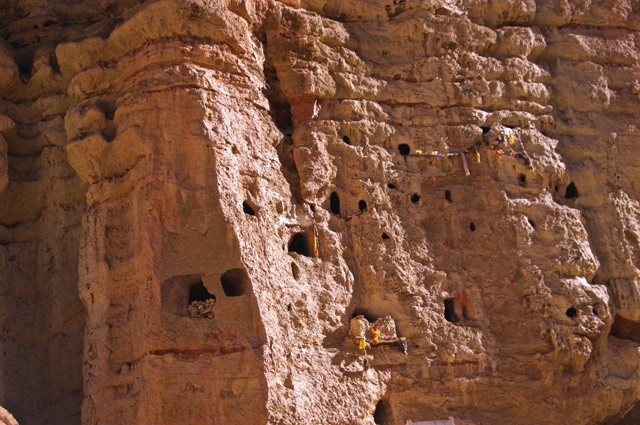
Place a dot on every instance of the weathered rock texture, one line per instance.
(155, 153)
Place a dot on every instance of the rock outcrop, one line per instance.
(293, 164)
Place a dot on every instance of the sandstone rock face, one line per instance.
(261, 159)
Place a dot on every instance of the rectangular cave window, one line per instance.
(197, 292)
(382, 413)
(177, 293)
(624, 328)
(304, 243)
(201, 302)
(450, 311)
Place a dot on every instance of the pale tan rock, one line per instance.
(7, 418)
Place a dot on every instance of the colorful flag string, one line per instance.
(496, 136)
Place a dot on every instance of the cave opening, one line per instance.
(346, 140)
(178, 292)
(385, 236)
(523, 179)
(362, 204)
(624, 328)
(415, 198)
(247, 209)
(472, 226)
(299, 244)
(235, 282)
(381, 413)
(198, 292)
(447, 195)
(404, 149)
(450, 311)
(571, 312)
(334, 203)
(368, 314)
(571, 192)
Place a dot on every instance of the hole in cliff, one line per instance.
(571, 312)
(370, 315)
(556, 188)
(625, 329)
(391, 186)
(299, 244)
(246, 208)
(531, 223)
(595, 312)
(385, 236)
(197, 292)
(485, 130)
(53, 62)
(447, 195)
(289, 307)
(362, 205)
(450, 311)
(472, 227)
(234, 282)
(571, 192)
(415, 198)
(107, 108)
(523, 179)
(176, 293)
(295, 270)
(25, 64)
(381, 413)
(334, 203)
(404, 149)
(109, 134)
(346, 140)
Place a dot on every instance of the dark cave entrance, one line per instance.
(198, 292)
(625, 329)
(235, 282)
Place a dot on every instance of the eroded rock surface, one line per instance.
(158, 154)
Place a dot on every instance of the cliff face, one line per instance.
(162, 152)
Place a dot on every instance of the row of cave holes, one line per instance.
(622, 327)
(179, 292)
(300, 244)
(571, 192)
(334, 204)
(234, 283)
